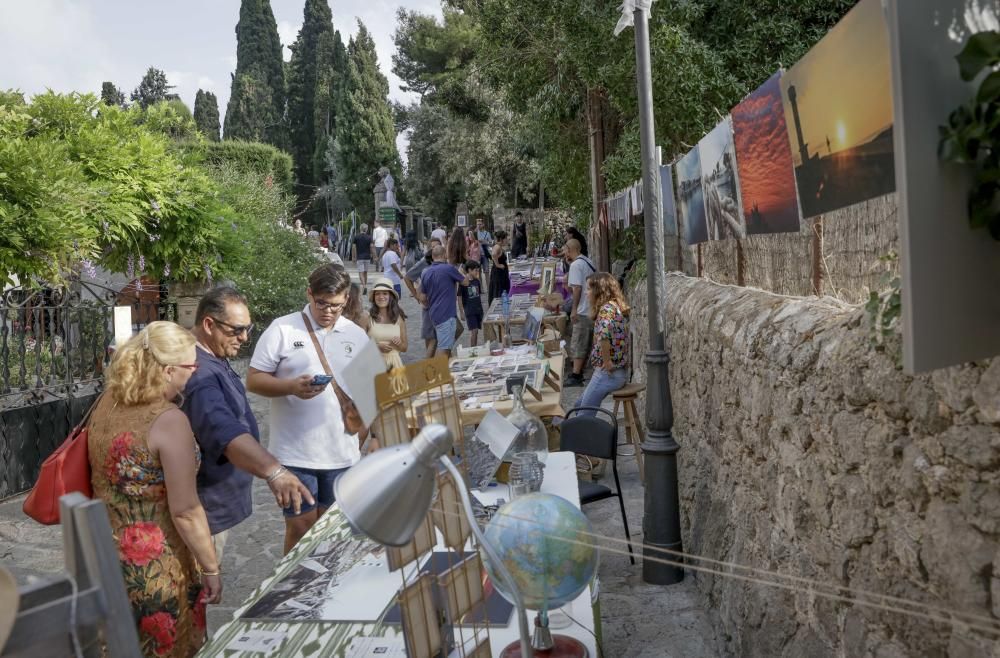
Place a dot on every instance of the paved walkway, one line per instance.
(637, 619)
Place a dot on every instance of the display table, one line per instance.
(524, 281)
(549, 405)
(520, 304)
(326, 638)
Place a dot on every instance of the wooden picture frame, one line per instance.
(548, 283)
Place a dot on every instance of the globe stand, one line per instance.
(547, 645)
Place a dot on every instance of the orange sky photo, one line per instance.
(764, 159)
(843, 84)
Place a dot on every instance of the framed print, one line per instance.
(548, 279)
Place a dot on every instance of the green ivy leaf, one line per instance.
(980, 51)
(989, 90)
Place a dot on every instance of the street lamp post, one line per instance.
(661, 523)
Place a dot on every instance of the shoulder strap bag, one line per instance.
(64, 471)
(353, 423)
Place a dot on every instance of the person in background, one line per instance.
(216, 404)
(499, 274)
(298, 227)
(388, 323)
(379, 236)
(485, 243)
(144, 464)
(324, 241)
(457, 247)
(391, 263)
(439, 284)
(361, 253)
(474, 251)
(610, 355)
(472, 302)
(355, 309)
(307, 432)
(439, 234)
(411, 250)
(580, 269)
(313, 233)
(331, 236)
(519, 237)
(411, 277)
(571, 233)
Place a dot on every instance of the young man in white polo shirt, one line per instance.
(306, 426)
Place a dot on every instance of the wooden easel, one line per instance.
(99, 612)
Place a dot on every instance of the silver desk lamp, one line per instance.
(388, 493)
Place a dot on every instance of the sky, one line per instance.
(843, 84)
(763, 154)
(75, 45)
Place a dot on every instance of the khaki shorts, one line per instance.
(583, 332)
(363, 265)
(219, 541)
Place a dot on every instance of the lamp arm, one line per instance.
(491, 553)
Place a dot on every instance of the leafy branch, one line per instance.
(972, 136)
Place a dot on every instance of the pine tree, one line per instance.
(366, 134)
(310, 89)
(112, 95)
(152, 89)
(256, 110)
(206, 114)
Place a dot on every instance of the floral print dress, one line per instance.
(161, 575)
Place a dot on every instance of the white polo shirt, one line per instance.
(308, 433)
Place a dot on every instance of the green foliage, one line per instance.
(173, 119)
(256, 110)
(366, 136)
(272, 164)
(972, 136)
(206, 114)
(884, 308)
(111, 95)
(270, 263)
(81, 185)
(152, 89)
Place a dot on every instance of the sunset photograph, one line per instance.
(764, 162)
(838, 111)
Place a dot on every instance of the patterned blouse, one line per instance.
(611, 325)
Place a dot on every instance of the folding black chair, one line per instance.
(593, 437)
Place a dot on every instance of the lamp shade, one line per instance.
(387, 494)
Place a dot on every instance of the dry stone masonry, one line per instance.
(806, 451)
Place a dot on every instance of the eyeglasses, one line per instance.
(326, 306)
(236, 329)
(193, 367)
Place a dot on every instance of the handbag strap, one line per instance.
(319, 349)
(86, 417)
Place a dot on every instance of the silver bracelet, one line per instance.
(277, 474)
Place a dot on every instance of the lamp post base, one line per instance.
(563, 646)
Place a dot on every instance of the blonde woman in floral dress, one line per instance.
(144, 460)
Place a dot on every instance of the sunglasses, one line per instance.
(236, 329)
(326, 306)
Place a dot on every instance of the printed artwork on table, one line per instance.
(838, 109)
(691, 200)
(723, 217)
(764, 162)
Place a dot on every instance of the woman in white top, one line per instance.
(388, 323)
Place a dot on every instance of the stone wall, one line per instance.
(807, 452)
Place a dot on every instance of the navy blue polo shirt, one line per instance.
(215, 402)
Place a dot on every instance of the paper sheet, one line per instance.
(256, 641)
(377, 647)
(122, 325)
(358, 380)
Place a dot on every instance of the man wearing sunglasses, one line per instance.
(216, 403)
(307, 431)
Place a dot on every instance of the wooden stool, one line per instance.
(626, 397)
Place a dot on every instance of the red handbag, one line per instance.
(64, 471)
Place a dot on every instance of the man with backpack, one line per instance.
(580, 270)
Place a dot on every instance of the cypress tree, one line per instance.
(366, 134)
(112, 95)
(256, 109)
(206, 114)
(310, 87)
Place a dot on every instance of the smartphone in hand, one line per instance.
(321, 380)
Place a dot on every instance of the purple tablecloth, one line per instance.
(520, 284)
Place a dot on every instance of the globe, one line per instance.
(546, 544)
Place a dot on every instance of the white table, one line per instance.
(332, 638)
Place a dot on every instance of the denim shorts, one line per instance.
(446, 333)
(319, 482)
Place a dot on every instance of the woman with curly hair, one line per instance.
(143, 460)
(610, 353)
